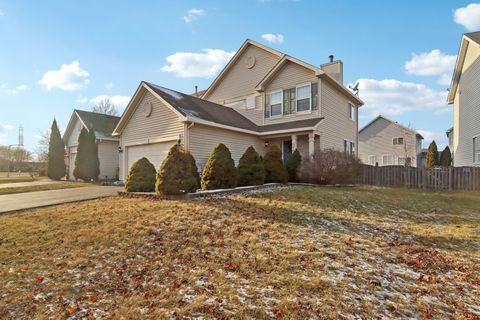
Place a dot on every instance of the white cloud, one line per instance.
(17, 89)
(4, 129)
(81, 99)
(202, 65)
(393, 97)
(70, 77)
(469, 16)
(439, 137)
(109, 86)
(433, 63)
(120, 102)
(193, 14)
(273, 38)
(4, 85)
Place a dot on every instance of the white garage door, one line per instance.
(71, 165)
(155, 153)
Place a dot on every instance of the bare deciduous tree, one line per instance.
(105, 106)
(43, 143)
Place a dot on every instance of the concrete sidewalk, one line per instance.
(30, 200)
(30, 183)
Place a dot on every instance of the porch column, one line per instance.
(294, 142)
(311, 145)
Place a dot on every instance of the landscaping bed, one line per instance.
(286, 252)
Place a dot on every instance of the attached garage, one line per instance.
(154, 152)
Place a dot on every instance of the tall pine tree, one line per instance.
(432, 156)
(56, 154)
(446, 157)
(87, 165)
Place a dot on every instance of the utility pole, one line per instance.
(19, 144)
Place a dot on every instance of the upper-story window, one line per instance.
(304, 97)
(476, 149)
(398, 141)
(352, 111)
(276, 103)
(349, 147)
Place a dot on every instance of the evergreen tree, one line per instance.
(56, 154)
(219, 171)
(446, 157)
(87, 165)
(432, 156)
(141, 176)
(292, 164)
(275, 170)
(178, 173)
(250, 169)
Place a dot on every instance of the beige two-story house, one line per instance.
(261, 97)
(464, 94)
(384, 142)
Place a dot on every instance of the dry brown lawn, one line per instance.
(289, 253)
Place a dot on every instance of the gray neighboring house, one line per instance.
(464, 94)
(103, 126)
(385, 142)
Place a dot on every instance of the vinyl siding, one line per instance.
(337, 125)
(289, 76)
(163, 123)
(377, 140)
(202, 140)
(108, 156)
(73, 139)
(467, 108)
(241, 81)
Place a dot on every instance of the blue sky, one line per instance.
(59, 55)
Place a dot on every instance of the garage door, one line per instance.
(71, 165)
(155, 153)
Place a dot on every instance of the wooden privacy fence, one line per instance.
(458, 178)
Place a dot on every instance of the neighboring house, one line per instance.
(261, 97)
(384, 142)
(103, 126)
(449, 134)
(422, 158)
(464, 94)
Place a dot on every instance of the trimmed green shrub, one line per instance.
(446, 157)
(87, 165)
(219, 171)
(432, 156)
(178, 173)
(56, 154)
(141, 176)
(250, 169)
(275, 170)
(292, 165)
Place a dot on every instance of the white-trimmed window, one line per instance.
(276, 103)
(387, 160)
(304, 97)
(476, 149)
(372, 160)
(398, 141)
(405, 161)
(349, 147)
(352, 111)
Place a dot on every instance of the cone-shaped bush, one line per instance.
(219, 171)
(432, 156)
(275, 170)
(141, 177)
(292, 165)
(87, 165)
(56, 154)
(446, 157)
(250, 169)
(176, 174)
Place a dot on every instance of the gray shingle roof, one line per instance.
(102, 124)
(191, 106)
(475, 36)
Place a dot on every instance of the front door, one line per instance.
(286, 150)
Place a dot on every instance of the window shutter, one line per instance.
(286, 101)
(293, 100)
(267, 106)
(315, 96)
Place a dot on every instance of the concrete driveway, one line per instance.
(29, 200)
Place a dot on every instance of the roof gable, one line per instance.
(101, 124)
(383, 118)
(468, 39)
